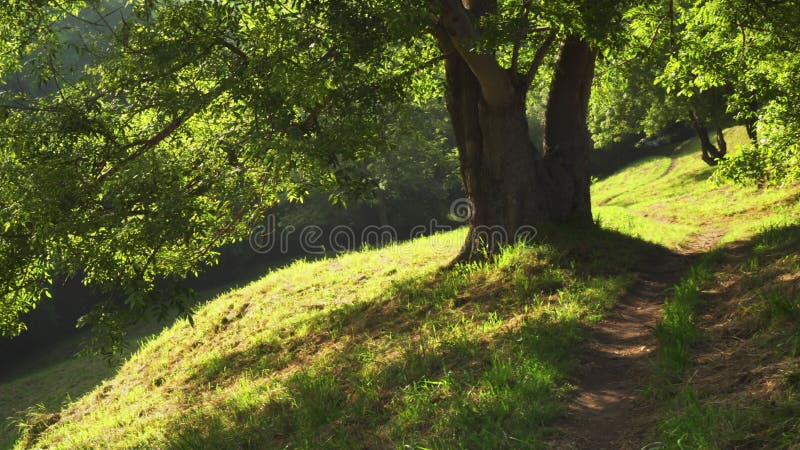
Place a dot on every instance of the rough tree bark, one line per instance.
(511, 184)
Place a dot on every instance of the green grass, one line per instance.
(747, 394)
(56, 376)
(669, 199)
(380, 348)
(387, 349)
(677, 331)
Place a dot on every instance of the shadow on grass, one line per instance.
(477, 356)
(745, 392)
(48, 378)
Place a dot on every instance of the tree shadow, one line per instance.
(476, 356)
(745, 383)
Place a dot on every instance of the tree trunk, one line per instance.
(510, 184)
(750, 122)
(567, 140)
(750, 126)
(711, 154)
(382, 209)
(722, 146)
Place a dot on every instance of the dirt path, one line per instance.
(608, 410)
(672, 166)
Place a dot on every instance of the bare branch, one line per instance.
(429, 63)
(235, 50)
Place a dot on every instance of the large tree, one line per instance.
(510, 182)
(161, 129)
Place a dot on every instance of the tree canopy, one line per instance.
(139, 136)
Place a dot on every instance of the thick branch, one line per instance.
(456, 27)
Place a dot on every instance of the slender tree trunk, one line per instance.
(710, 153)
(382, 209)
(750, 123)
(512, 186)
(750, 126)
(722, 146)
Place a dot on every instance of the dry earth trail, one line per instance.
(607, 410)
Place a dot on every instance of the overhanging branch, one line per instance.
(144, 145)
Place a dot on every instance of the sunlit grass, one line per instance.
(667, 200)
(379, 348)
(385, 348)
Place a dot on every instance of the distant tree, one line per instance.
(653, 82)
(764, 46)
(708, 63)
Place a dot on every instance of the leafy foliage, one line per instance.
(721, 59)
(140, 136)
(187, 122)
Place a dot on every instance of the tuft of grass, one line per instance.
(677, 331)
(36, 421)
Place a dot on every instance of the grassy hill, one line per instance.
(386, 348)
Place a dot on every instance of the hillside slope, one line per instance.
(384, 348)
(735, 380)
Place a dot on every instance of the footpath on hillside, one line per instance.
(607, 410)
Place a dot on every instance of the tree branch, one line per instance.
(538, 59)
(520, 36)
(457, 28)
(235, 50)
(429, 63)
(153, 141)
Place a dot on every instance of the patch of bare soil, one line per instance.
(608, 410)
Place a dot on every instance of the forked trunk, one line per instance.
(511, 185)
